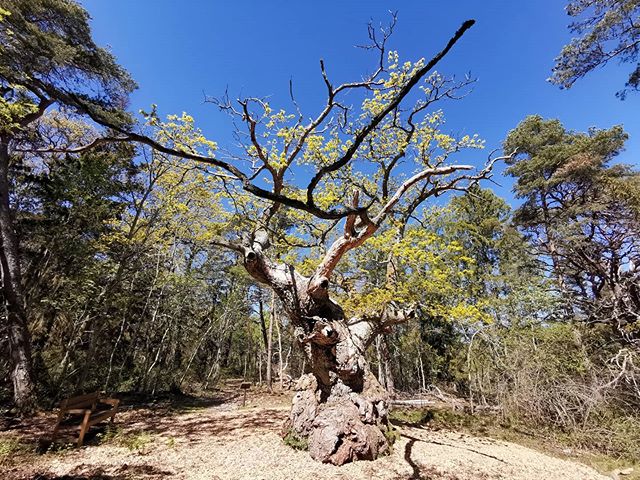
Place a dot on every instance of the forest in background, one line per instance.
(126, 288)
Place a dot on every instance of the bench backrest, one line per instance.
(80, 401)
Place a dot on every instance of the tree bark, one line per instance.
(19, 338)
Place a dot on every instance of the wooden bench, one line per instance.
(87, 407)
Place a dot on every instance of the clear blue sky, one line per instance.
(178, 50)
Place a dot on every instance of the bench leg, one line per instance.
(84, 427)
(57, 427)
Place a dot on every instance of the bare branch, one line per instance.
(365, 328)
(350, 222)
(249, 187)
(81, 149)
(402, 93)
(337, 250)
(236, 247)
(424, 174)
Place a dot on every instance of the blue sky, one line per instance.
(178, 50)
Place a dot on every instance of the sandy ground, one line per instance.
(225, 441)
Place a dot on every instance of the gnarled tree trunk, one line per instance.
(340, 408)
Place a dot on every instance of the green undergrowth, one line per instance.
(391, 433)
(13, 446)
(608, 449)
(295, 442)
(134, 441)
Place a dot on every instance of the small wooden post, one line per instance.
(245, 386)
(84, 427)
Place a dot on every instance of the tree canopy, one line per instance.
(581, 212)
(609, 30)
(48, 56)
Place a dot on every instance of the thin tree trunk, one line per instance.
(381, 368)
(276, 319)
(195, 352)
(421, 367)
(386, 364)
(244, 368)
(147, 379)
(215, 366)
(117, 342)
(270, 343)
(263, 322)
(383, 345)
(401, 374)
(226, 349)
(555, 257)
(22, 375)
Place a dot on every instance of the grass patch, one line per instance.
(295, 442)
(14, 451)
(13, 446)
(391, 433)
(435, 418)
(57, 448)
(111, 433)
(606, 465)
(135, 442)
(411, 416)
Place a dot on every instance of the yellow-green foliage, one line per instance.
(427, 269)
(11, 112)
(280, 140)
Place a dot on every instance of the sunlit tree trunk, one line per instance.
(340, 408)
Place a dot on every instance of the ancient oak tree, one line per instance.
(329, 183)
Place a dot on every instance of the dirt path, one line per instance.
(226, 441)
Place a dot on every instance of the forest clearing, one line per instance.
(217, 438)
(320, 239)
